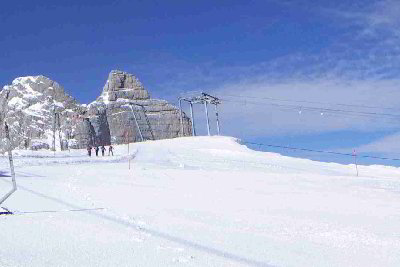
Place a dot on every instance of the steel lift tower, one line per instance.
(203, 99)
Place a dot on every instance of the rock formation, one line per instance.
(123, 112)
(29, 104)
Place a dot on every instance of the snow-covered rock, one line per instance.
(112, 118)
(29, 105)
(122, 85)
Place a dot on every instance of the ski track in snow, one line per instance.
(204, 201)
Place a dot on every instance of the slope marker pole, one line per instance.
(54, 130)
(355, 160)
(10, 159)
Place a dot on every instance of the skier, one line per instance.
(103, 149)
(110, 150)
(89, 151)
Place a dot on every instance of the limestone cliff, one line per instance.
(123, 112)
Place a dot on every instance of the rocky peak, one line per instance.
(27, 91)
(27, 105)
(122, 86)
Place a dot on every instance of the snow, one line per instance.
(197, 201)
(123, 100)
(36, 110)
(25, 80)
(58, 104)
(102, 98)
(17, 103)
(27, 91)
(69, 110)
(105, 96)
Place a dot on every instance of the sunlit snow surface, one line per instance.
(198, 202)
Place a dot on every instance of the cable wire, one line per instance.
(320, 151)
(320, 109)
(311, 102)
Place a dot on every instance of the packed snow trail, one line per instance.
(204, 201)
(130, 222)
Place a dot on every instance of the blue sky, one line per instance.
(325, 51)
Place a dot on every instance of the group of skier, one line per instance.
(102, 148)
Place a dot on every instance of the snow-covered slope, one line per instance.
(203, 201)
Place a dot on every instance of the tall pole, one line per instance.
(59, 130)
(191, 115)
(129, 167)
(181, 116)
(216, 114)
(355, 160)
(54, 130)
(208, 121)
(10, 159)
